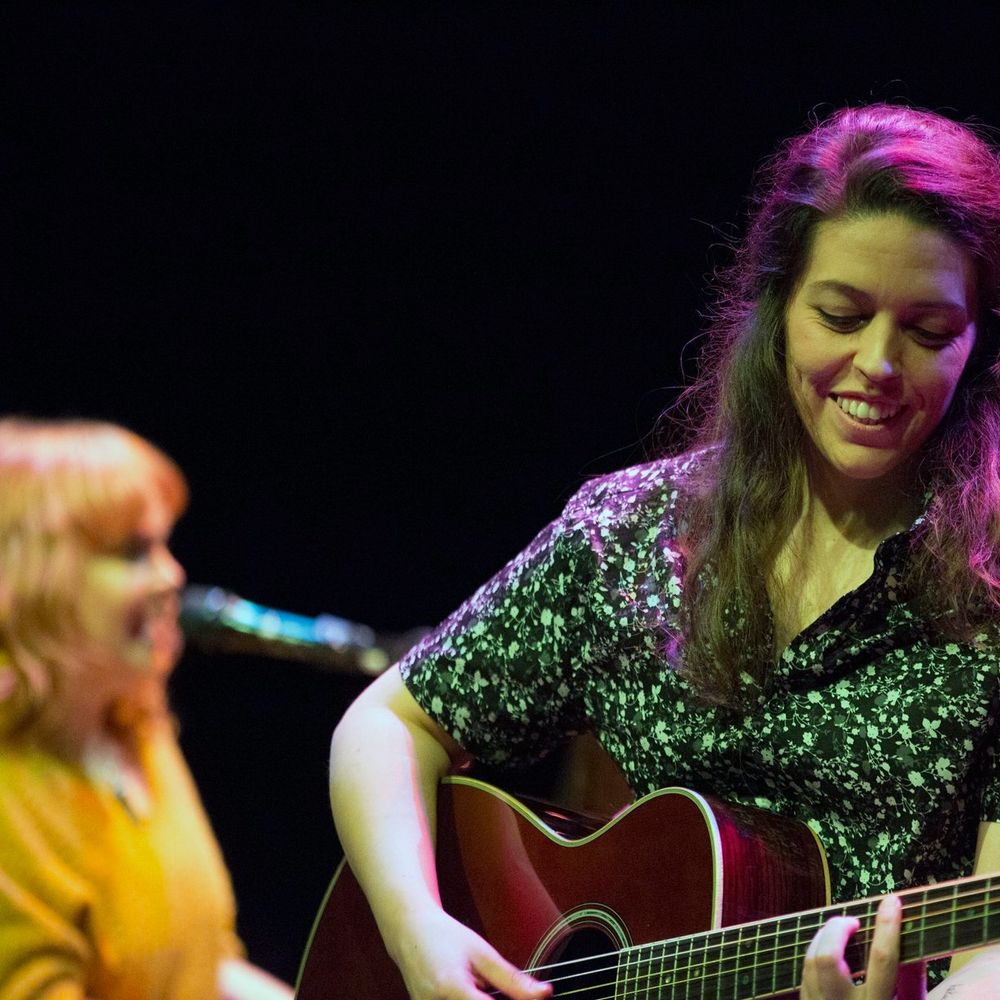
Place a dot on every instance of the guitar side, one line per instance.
(672, 864)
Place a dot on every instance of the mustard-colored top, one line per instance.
(98, 901)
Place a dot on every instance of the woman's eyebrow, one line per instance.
(830, 285)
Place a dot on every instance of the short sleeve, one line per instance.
(504, 674)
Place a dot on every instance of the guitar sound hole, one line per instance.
(586, 965)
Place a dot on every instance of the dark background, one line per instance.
(389, 281)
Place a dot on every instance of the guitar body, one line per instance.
(673, 864)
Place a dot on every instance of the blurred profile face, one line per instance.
(129, 602)
(878, 333)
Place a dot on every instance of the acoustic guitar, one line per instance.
(679, 897)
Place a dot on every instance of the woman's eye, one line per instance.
(843, 324)
(134, 549)
(932, 338)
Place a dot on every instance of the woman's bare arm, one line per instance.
(387, 757)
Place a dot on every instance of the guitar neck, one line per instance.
(949, 917)
(764, 959)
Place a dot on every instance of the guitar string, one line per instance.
(643, 982)
(862, 937)
(819, 917)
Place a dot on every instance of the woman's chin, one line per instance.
(858, 465)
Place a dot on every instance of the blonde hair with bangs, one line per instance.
(68, 489)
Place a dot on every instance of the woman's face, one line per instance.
(129, 602)
(878, 332)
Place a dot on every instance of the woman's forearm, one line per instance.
(978, 979)
(384, 772)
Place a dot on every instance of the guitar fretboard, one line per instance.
(764, 959)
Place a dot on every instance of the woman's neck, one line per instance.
(95, 718)
(857, 513)
(117, 764)
(828, 549)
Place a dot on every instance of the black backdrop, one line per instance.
(388, 281)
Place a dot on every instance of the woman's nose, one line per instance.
(168, 569)
(877, 354)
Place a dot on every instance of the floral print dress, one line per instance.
(879, 736)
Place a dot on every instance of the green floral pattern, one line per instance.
(878, 736)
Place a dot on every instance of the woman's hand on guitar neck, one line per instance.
(441, 959)
(827, 977)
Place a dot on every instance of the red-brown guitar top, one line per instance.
(679, 897)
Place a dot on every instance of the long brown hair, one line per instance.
(879, 159)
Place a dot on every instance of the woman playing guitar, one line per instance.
(797, 611)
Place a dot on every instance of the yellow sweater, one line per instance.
(97, 902)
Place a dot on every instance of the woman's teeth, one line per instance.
(868, 413)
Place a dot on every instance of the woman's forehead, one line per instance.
(890, 255)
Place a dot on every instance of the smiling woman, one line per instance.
(878, 334)
(800, 610)
(879, 231)
(111, 882)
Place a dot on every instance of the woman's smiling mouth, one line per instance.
(867, 413)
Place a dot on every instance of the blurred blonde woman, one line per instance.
(111, 882)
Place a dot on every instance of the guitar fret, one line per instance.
(992, 914)
(728, 962)
(789, 955)
(952, 925)
(985, 932)
(637, 981)
(937, 927)
(776, 950)
(698, 968)
(755, 965)
(654, 971)
(786, 943)
(937, 921)
(662, 977)
(922, 921)
(798, 948)
(724, 949)
(685, 971)
(742, 975)
(646, 975)
(622, 988)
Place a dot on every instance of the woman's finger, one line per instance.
(826, 975)
(883, 956)
(511, 981)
